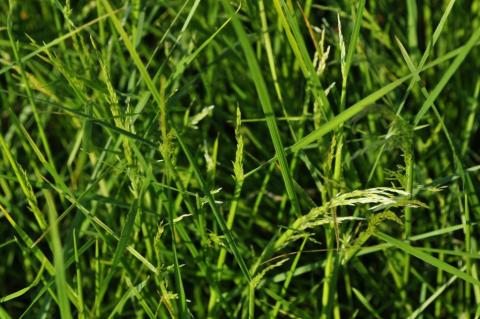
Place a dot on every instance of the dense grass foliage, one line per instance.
(239, 159)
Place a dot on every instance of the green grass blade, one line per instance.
(58, 261)
(218, 216)
(300, 50)
(59, 40)
(23, 291)
(351, 49)
(432, 298)
(472, 41)
(427, 258)
(266, 106)
(350, 112)
(366, 303)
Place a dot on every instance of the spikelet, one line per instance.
(379, 198)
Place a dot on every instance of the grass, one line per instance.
(255, 159)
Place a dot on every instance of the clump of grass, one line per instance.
(218, 159)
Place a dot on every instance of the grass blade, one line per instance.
(427, 258)
(266, 106)
(350, 112)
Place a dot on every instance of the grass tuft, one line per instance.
(239, 159)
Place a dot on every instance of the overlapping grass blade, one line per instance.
(266, 106)
(427, 258)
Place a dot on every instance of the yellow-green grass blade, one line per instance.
(23, 291)
(299, 48)
(58, 261)
(58, 40)
(346, 115)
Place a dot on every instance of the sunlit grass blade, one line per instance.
(365, 303)
(23, 291)
(350, 112)
(418, 312)
(118, 197)
(59, 40)
(58, 261)
(427, 258)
